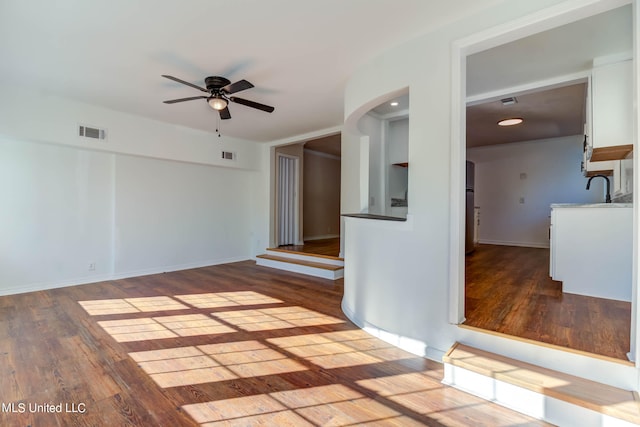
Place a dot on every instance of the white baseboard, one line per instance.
(85, 280)
(520, 244)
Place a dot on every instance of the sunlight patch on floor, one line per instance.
(181, 366)
(131, 305)
(126, 330)
(227, 299)
(330, 405)
(213, 363)
(275, 318)
(340, 349)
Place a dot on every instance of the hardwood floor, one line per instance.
(508, 290)
(236, 344)
(329, 247)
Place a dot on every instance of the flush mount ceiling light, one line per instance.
(217, 102)
(394, 104)
(510, 122)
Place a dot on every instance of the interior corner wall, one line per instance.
(321, 205)
(516, 183)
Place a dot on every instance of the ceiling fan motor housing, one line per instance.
(215, 83)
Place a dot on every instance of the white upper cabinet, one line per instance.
(612, 111)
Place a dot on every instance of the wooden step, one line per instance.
(466, 365)
(301, 262)
(287, 251)
(303, 266)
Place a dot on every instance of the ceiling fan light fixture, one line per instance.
(217, 103)
(510, 122)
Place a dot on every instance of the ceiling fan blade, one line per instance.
(173, 101)
(237, 86)
(252, 104)
(225, 114)
(175, 79)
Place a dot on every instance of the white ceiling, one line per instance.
(561, 51)
(298, 53)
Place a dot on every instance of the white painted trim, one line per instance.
(551, 83)
(301, 269)
(307, 136)
(321, 154)
(393, 116)
(531, 403)
(635, 290)
(85, 280)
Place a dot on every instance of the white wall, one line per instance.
(154, 197)
(399, 282)
(321, 195)
(552, 174)
(171, 215)
(56, 215)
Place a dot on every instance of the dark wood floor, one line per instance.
(508, 290)
(329, 247)
(235, 343)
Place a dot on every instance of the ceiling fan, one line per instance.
(219, 89)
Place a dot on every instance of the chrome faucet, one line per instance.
(608, 198)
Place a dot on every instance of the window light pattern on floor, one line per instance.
(227, 299)
(143, 329)
(389, 396)
(131, 305)
(340, 349)
(330, 405)
(275, 318)
(213, 363)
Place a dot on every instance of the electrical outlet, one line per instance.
(92, 266)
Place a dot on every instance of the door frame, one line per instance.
(546, 19)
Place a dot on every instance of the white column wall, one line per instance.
(398, 282)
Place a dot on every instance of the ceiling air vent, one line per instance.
(509, 101)
(91, 132)
(228, 155)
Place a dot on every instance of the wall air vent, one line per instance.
(228, 155)
(91, 132)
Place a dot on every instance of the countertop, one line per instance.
(591, 205)
(374, 216)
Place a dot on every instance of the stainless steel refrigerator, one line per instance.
(469, 219)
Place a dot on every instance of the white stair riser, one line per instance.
(302, 269)
(309, 258)
(536, 405)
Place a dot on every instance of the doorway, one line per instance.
(463, 91)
